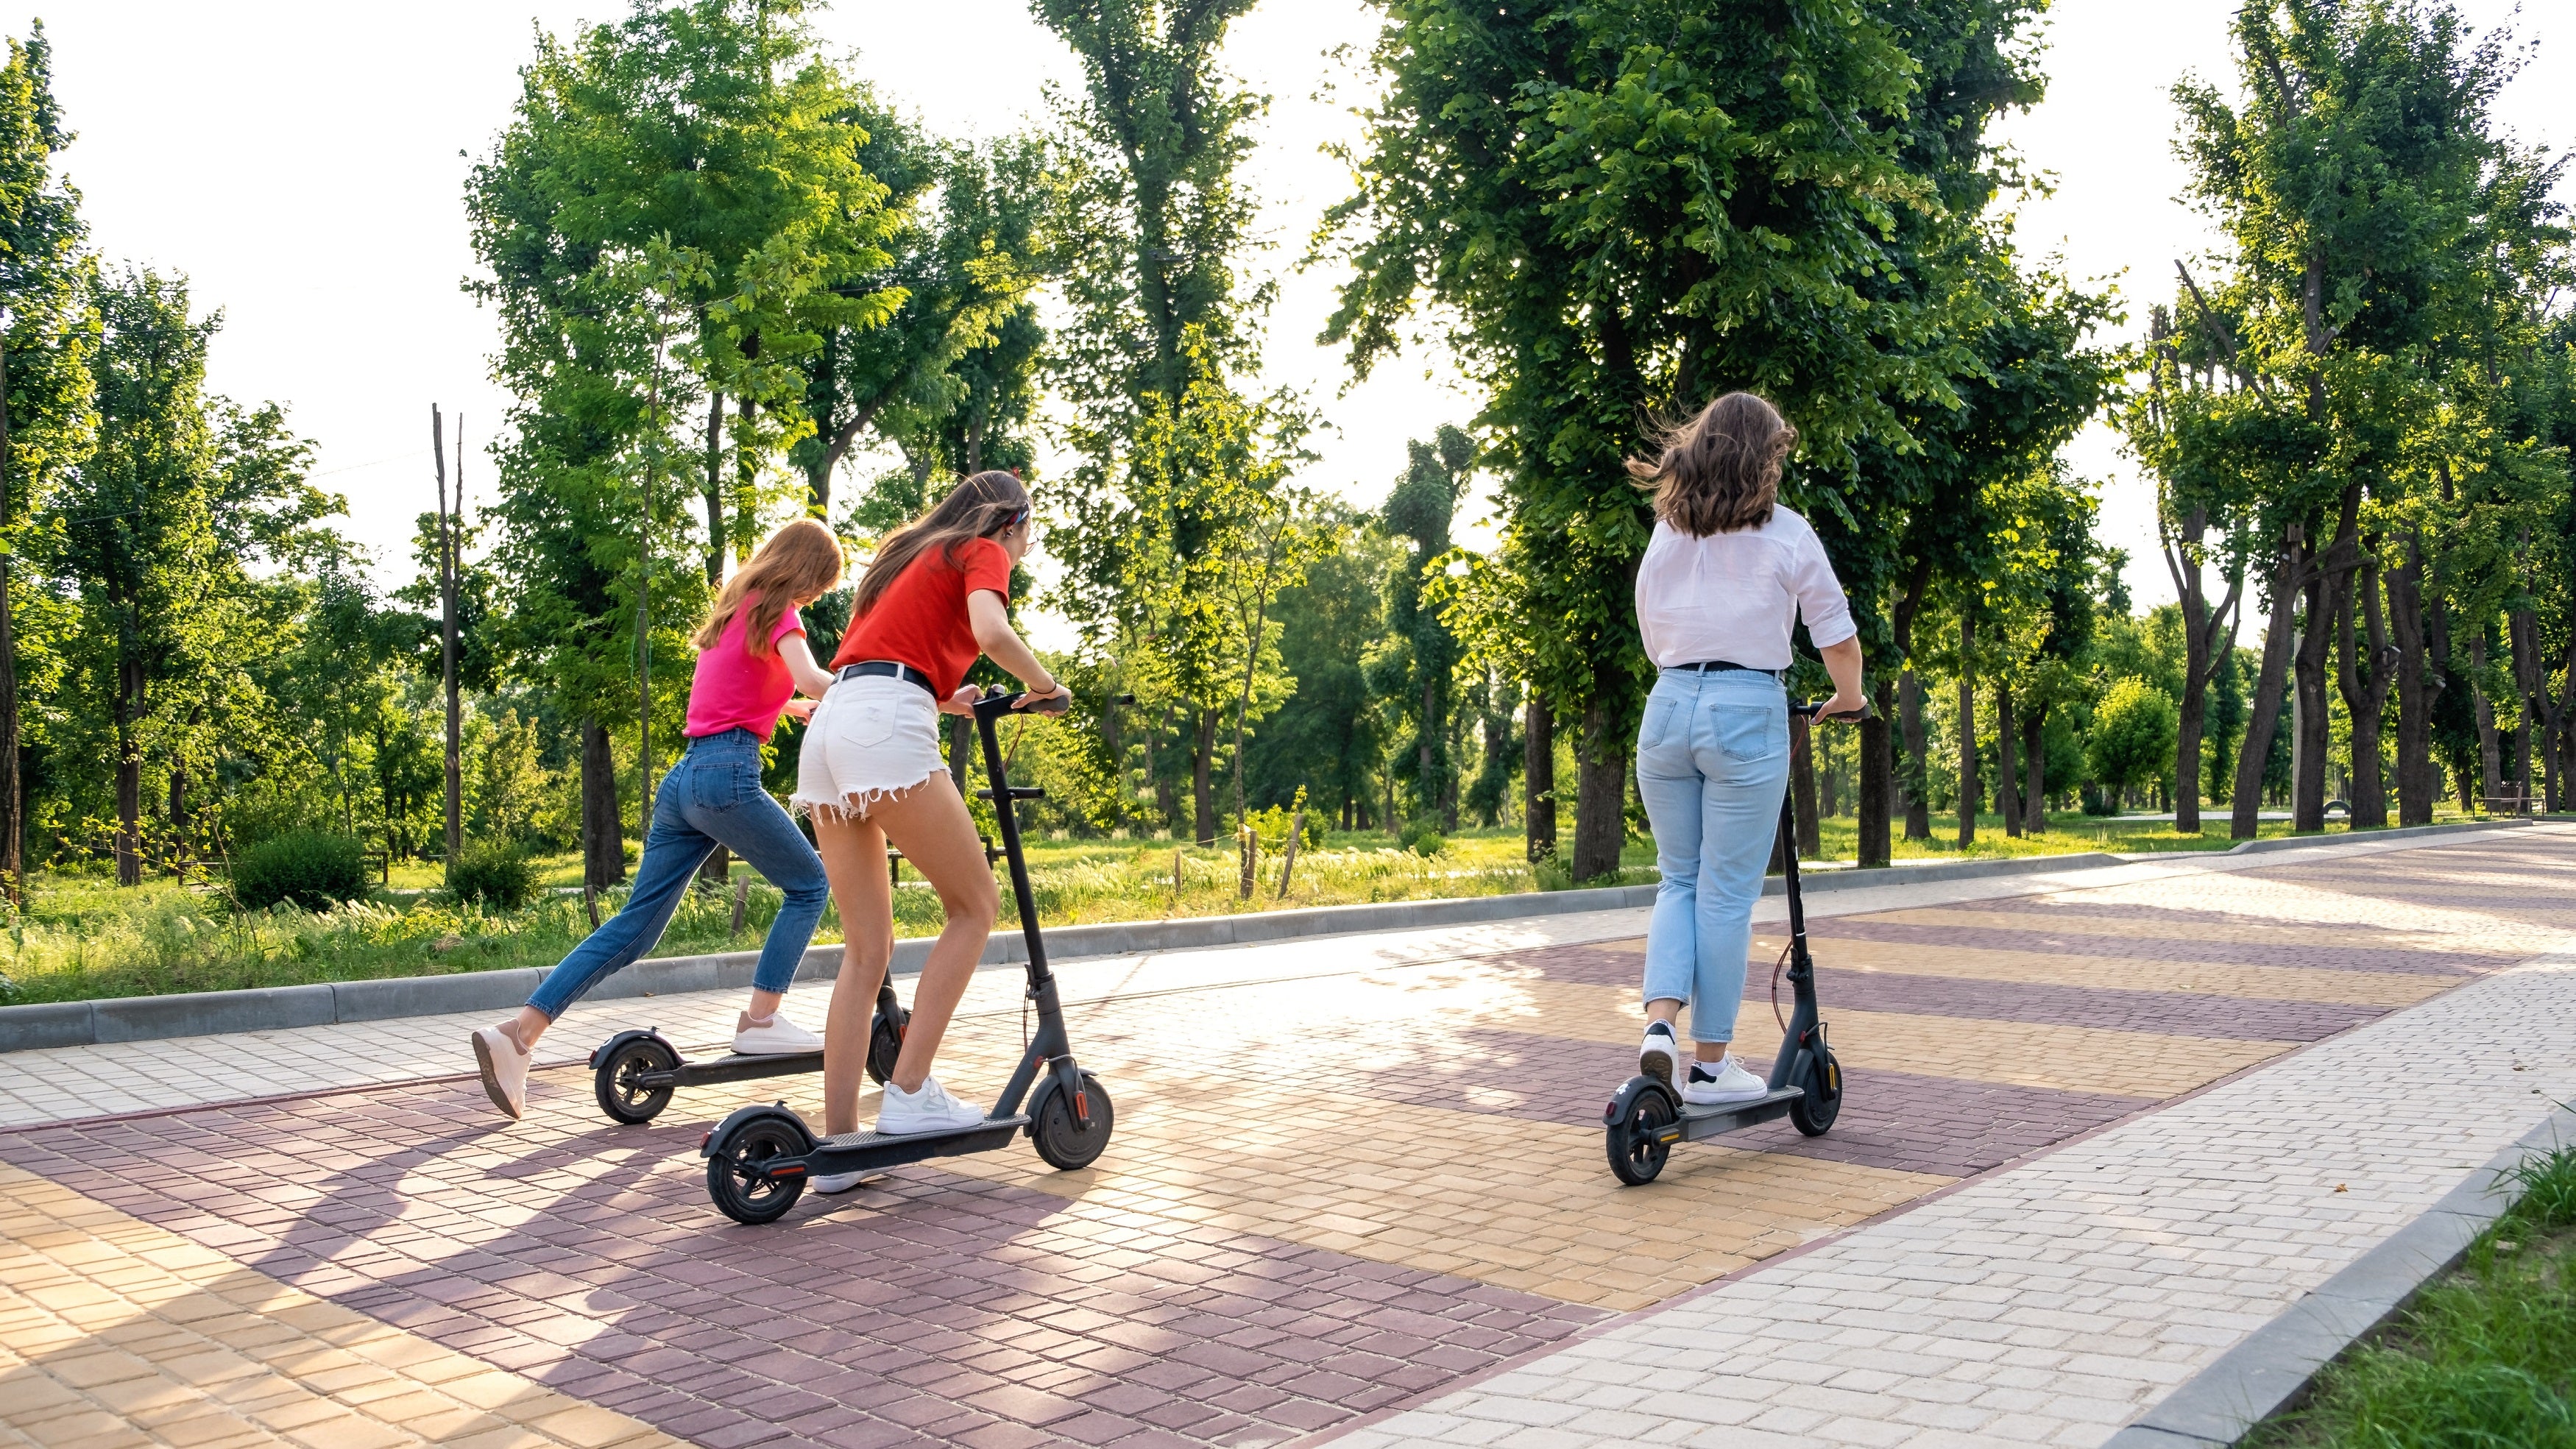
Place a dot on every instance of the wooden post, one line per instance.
(590, 903)
(1296, 833)
(1247, 846)
(741, 902)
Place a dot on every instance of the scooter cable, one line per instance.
(1775, 988)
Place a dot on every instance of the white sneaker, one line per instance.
(776, 1037)
(505, 1070)
(1658, 1054)
(839, 1182)
(931, 1109)
(1729, 1083)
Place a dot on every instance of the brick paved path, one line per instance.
(1332, 1194)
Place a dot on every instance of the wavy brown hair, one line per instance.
(1721, 470)
(980, 507)
(795, 564)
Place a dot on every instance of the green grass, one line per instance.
(2484, 1358)
(81, 938)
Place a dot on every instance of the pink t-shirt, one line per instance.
(733, 690)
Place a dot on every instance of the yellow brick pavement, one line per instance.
(115, 1333)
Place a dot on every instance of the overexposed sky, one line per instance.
(304, 164)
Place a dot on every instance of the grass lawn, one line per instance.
(81, 938)
(2485, 1356)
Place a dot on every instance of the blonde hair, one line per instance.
(797, 562)
(980, 507)
(1721, 470)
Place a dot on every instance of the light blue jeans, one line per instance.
(711, 797)
(1712, 766)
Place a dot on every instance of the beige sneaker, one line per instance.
(774, 1037)
(505, 1070)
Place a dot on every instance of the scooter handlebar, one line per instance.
(998, 702)
(1814, 709)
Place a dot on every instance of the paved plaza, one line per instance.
(2099, 1126)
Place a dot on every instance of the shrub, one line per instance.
(496, 873)
(305, 867)
(1422, 836)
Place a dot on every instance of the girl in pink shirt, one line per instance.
(752, 660)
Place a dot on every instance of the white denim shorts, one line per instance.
(871, 737)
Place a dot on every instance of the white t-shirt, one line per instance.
(1734, 596)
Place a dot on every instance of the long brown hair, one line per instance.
(797, 562)
(980, 507)
(1721, 470)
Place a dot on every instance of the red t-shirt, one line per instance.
(920, 619)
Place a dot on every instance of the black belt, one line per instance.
(888, 668)
(1728, 666)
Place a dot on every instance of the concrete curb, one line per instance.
(271, 1008)
(2273, 1369)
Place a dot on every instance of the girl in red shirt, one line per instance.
(935, 596)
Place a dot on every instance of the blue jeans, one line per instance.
(1712, 766)
(711, 797)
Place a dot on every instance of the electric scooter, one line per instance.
(1647, 1117)
(760, 1157)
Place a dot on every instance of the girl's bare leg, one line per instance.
(854, 858)
(931, 826)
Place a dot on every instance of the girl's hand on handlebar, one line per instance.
(1844, 707)
(962, 702)
(1055, 693)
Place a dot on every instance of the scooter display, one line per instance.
(1647, 1117)
(760, 1157)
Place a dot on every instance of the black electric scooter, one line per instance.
(1647, 1117)
(760, 1157)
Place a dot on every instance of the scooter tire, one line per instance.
(614, 1084)
(1065, 1146)
(1635, 1141)
(750, 1200)
(1814, 1113)
(885, 1042)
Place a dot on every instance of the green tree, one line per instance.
(2132, 740)
(1629, 205)
(1423, 673)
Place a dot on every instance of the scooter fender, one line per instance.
(720, 1141)
(609, 1048)
(1623, 1103)
(1046, 1088)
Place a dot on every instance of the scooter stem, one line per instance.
(1006, 820)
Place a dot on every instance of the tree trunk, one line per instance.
(2490, 760)
(1802, 786)
(13, 827)
(454, 799)
(2268, 686)
(1202, 786)
(1914, 772)
(2414, 689)
(2531, 678)
(1877, 775)
(2201, 657)
(603, 848)
(2034, 754)
(2328, 584)
(1969, 786)
(714, 489)
(1601, 791)
(1538, 779)
(2007, 801)
(129, 772)
(179, 821)
(2365, 696)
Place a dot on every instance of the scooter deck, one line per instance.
(1702, 1122)
(860, 1151)
(735, 1068)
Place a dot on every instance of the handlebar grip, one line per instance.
(1814, 709)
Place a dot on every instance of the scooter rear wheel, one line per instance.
(885, 1042)
(1068, 1148)
(615, 1085)
(1637, 1148)
(744, 1197)
(1814, 1113)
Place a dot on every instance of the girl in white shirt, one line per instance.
(1726, 576)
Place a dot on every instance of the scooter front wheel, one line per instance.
(739, 1192)
(885, 1041)
(1066, 1146)
(1814, 1113)
(1636, 1138)
(621, 1095)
